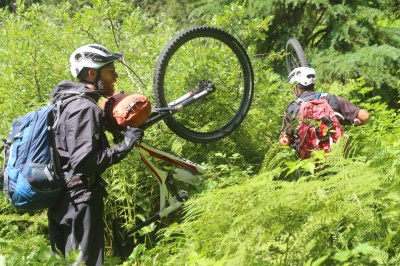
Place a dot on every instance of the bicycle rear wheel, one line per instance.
(211, 54)
(295, 56)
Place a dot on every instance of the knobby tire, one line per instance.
(211, 54)
(295, 56)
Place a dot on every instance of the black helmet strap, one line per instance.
(95, 83)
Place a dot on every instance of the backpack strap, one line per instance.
(299, 101)
(59, 94)
(3, 174)
(324, 95)
(62, 103)
(321, 95)
(9, 142)
(1, 169)
(4, 143)
(58, 106)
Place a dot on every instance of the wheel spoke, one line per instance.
(205, 53)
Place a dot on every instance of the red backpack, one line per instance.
(318, 128)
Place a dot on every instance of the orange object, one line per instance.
(126, 110)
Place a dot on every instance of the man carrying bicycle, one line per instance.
(304, 79)
(76, 221)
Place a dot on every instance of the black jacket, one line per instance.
(79, 134)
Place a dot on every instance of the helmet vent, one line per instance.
(103, 49)
(78, 57)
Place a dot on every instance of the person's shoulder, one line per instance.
(87, 101)
(294, 103)
(308, 96)
(329, 96)
(342, 100)
(83, 106)
(324, 94)
(293, 107)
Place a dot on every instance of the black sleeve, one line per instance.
(88, 147)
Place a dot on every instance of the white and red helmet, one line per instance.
(91, 56)
(303, 75)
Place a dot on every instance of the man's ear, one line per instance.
(297, 90)
(92, 73)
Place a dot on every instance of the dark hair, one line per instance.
(306, 88)
(83, 74)
(85, 71)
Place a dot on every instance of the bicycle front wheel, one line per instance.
(295, 56)
(197, 54)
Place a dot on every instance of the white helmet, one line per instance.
(91, 56)
(303, 75)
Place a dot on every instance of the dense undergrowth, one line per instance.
(258, 204)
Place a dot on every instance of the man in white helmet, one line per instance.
(304, 79)
(76, 222)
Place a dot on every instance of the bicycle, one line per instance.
(295, 56)
(218, 72)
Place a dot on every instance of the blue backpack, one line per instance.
(32, 172)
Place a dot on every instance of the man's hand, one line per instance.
(131, 137)
(356, 122)
(284, 140)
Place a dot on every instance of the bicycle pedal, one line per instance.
(183, 194)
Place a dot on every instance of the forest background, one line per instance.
(251, 210)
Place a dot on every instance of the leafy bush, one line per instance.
(253, 209)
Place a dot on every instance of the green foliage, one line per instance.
(259, 204)
(36, 43)
(343, 40)
(20, 250)
(284, 223)
(377, 65)
(333, 214)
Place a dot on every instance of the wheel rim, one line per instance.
(214, 57)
